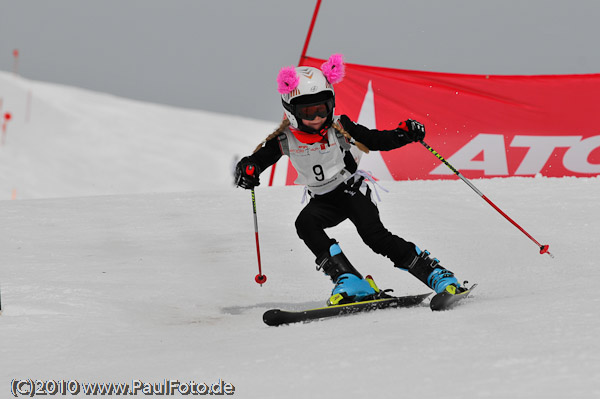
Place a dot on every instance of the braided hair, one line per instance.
(285, 123)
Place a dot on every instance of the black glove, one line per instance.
(412, 130)
(246, 174)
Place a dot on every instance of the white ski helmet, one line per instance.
(302, 87)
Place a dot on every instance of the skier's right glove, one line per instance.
(246, 174)
(412, 130)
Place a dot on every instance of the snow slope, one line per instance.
(156, 280)
(74, 142)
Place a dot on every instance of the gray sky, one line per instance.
(224, 55)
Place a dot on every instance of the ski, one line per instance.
(446, 300)
(277, 317)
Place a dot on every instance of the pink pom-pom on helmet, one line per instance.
(287, 80)
(334, 69)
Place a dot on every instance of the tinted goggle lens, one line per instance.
(310, 112)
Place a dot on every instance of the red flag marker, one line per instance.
(7, 117)
(16, 63)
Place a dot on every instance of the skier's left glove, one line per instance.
(411, 130)
(246, 174)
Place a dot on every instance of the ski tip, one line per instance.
(445, 300)
(270, 316)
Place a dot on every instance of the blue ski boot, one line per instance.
(349, 284)
(430, 272)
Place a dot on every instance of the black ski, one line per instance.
(277, 317)
(445, 300)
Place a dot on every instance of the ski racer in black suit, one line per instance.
(319, 144)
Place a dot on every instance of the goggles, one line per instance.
(310, 111)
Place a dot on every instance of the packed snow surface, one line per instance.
(128, 256)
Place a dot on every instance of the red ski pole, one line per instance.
(543, 248)
(260, 278)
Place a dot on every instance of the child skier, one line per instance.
(318, 143)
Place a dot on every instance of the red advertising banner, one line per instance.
(484, 125)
